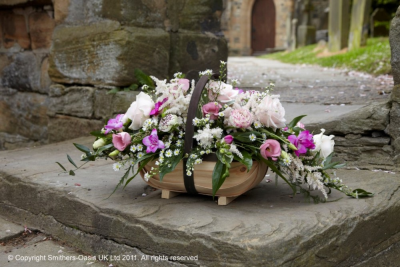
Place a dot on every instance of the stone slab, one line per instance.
(394, 41)
(264, 227)
(9, 229)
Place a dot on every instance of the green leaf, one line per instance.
(71, 161)
(141, 166)
(113, 91)
(72, 173)
(244, 137)
(278, 172)
(361, 193)
(62, 167)
(173, 162)
(143, 78)
(295, 121)
(133, 87)
(101, 149)
(98, 134)
(247, 159)
(268, 133)
(218, 176)
(82, 148)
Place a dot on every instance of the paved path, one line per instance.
(310, 84)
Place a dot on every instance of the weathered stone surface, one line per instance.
(41, 27)
(264, 227)
(75, 101)
(395, 47)
(373, 117)
(365, 155)
(362, 141)
(15, 30)
(60, 10)
(104, 53)
(338, 24)
(360, 18)
(66, 127)
(24, 72)
(9, 229)
(193, 52)
(23, 114)
(107, 105)
(394, 127)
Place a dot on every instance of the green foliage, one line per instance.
(373, 58)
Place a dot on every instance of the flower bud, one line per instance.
(292, 147)
(228, 139)
(114, 153)
(99, 143)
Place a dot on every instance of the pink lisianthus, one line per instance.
(241, 118)
(212, 108)
(271, 113)
(185, 84)
(270, 149)
(228, 139)
(225, 92)
(114, 124)
(121, 140)
(302, 142)
(156, 111)
(152, 142)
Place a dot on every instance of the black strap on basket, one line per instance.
(194, 102)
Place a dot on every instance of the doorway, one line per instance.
(263, 25)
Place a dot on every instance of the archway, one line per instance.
(263, 25)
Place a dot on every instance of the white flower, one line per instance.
(206, 136)
(133, 149)
(198, 161)
(139, 147)
(99, 143)
(168, 153)
(264, 136)
(252, 137)
(222, 62)
(178, 75)
(147, 177)
(117, 166)
(140, 154)
(323, 143)
(193, 156)
(179, 143)
(257, 124)
(270, 112)
(139, 111)
(176, 152)
(83, 156)
(189, 173)
(167, 144)
(169, 121)
(208, 151)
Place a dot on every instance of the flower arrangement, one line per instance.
(233, 124)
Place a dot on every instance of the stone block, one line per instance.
(362, 141)
(338, 24)
(66, 127)
(370, 155)
(24, 114)
(60, 10)
(24, 72)
(193, 52)
(45, 80)
(394, 127)
(395, 95)
(201, 16)
(306, 35)
(41, 27)
(15, 30)
(73, 101)
(395, 47)
(103, 53)
(107, 105)
(359, 23)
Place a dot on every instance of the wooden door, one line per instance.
(263, 25)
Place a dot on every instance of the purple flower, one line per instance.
(152, 142)
(156, 109)
(114, 124)
(228, 139)
(302, 142)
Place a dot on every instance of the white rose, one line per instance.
(271, 113)
(139, 111)
(323, 143)
(226, 91)
(168, 122)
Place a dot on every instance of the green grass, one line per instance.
(373, 58)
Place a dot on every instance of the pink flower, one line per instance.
(271, 113)
(121, 140)
(302, 142)
(152, 142)
(114, 124)
(270, 149)
(225, 92)
(241, 118)
(212, 108)
(156, 111)
(301, 125)
(228, 139)
(185, 83)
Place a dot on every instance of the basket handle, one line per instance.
(194, 102)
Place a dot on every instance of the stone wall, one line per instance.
(59, 58)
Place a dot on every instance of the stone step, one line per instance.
(264, 227)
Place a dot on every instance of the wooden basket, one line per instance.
(200, 182)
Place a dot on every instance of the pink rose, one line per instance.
(270, 149)
(240, 118)
(121, 140)
(225, 92)
(271, 113)
(212, 108)
(228, 139)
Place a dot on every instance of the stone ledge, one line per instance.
(263, 227)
